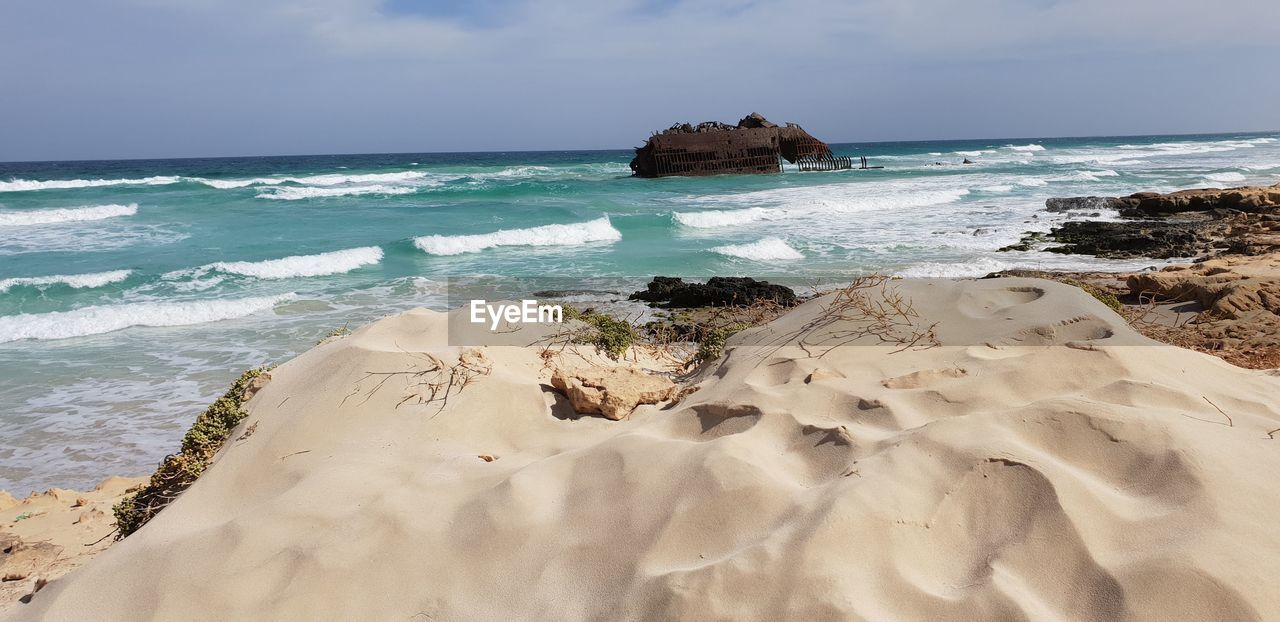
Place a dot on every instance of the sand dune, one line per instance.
(1044, 461)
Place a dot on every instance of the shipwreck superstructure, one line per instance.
(752, 146)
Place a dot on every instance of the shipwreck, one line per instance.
(753, 146)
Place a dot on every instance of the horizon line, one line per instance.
(506, 151)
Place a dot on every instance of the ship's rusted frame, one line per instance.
(754, 146)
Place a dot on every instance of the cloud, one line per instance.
(108, 78)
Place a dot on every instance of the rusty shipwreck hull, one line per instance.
(753, 146)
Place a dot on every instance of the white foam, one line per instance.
(1228, 177)
(335, 262)
(25, 185)
(724, 218)
(997, 189)
(105, 319)
(78, 281)
(65, 214)
(308, 192)
(598, 230)
(1027, 148)
(768, 249)
(980, 266)
(808, 201)
(328, 179)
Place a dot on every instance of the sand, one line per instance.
(1042, 461)
(49, 534)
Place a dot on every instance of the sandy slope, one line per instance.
(1044, 462)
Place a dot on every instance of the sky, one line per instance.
(108, 79)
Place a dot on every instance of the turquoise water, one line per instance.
(131, 292)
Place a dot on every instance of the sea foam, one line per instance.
(25, 185)
(335, 262)
(598, 230)
(77, 281)
(768, 249)
(724, 218)
(1228, 177)
(105, 319)
(65, 214)
(308, 192)
(1027, 148)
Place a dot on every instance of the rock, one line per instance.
(1073, 204)
(612, 392)
(718, 291)
(6, 500)
(253, 386)
(1126, 240)
(967, 161)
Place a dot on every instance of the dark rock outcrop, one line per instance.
(1187, 223)
(718, 291)
(1128, 240)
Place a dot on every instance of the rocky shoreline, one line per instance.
(1226, 303)
(1208, 222)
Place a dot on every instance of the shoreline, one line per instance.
(1225, 306)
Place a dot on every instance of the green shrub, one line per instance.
(178, 471)
(607, 333)
(711, 346)
(1104, 296)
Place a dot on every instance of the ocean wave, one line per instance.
(808, 201)
(1027, 148)
(724, 218)
(976, 153)
(26, 185)
(309, 192)
(598, 230)
(768, 249)
(105, 319)
(1228, 177)
(77, 281)
(997, 189)
(65, 214)
(977, 267)
(328, 179)
(335, 262)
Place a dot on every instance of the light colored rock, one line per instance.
(612, 392)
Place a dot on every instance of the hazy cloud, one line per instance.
(133, 78)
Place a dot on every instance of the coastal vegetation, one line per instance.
(178, 471)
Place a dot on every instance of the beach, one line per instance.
(1087, 442)
(1013, 448)
(183, 273)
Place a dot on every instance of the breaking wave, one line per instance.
(335, 262)
(1027, 148)
(768, 249)
(1228, 177)
(77, 281)
(65, 214)
(313, 180)
(723, 218)
(25, 185)
(309, 192)
(977, 267)
(816, 200)
(105, 319)
(598, 230)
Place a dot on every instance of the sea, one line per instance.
(132, 292)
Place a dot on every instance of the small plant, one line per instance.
(178, 471)
(712, 344)
(1104, 296)
(341, 331)
(608, 334)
